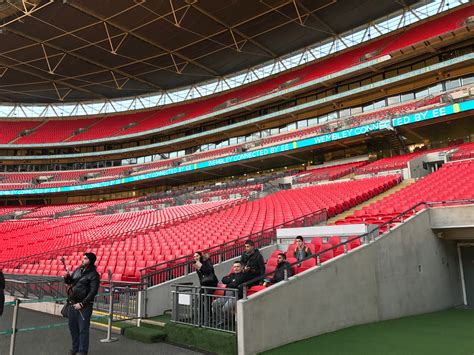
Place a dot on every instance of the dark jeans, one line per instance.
(2, 301)
(79, 328)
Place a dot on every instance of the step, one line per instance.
(117, 327)
(389, 192)
(159, 321)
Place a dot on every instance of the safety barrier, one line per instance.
(207, 307)
(117, 301)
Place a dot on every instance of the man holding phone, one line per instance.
(83, 287)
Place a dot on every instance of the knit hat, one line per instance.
(92, 258)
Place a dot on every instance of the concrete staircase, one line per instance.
(389, 192)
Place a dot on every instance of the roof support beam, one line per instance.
(142, 38)
(84, 59)
(43, 77)
(234, 30)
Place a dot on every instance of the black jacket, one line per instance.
(254, 262)
(235, 280)
(206, 274)
(279, 274)
(85, 285)
(2, 295)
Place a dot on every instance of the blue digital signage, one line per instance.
(280, 148)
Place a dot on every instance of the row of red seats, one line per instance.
(164, 244)
(332, 172)
(397, 162)
(453, 181)
(317, 245)
(224, 193)
(464, 151)
(63, 232)
(435, 187)
(60, 130)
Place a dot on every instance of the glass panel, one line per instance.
(452, 84)
(467, 80)
(407, 97)
(393, 100)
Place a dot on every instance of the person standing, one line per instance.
(252, 261)
(2, 295)
(204, 270)
(83, 287)
(207, 278)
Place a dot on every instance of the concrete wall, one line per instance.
(159, 297)
(407, 272)
(44, 307)
(454, 222)
(415, 167)
(452, 217)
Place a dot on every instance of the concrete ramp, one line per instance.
(406, 272)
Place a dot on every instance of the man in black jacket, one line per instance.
(2, 295)
(224, 307)
(279, 274)
(83, 287)
(252, 260)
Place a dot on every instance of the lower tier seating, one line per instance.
(453, 181)
(140, 246)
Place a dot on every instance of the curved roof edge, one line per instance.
(396, 21)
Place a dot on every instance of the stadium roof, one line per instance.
(77, 50)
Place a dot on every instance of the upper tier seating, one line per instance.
(12, 129)
(54, 131)
(346, 122)
(148, 245)
(61, 130)
(109, 126)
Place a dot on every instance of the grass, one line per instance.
(207, 340)
(445, 332)
(203, 339)
(145, 335)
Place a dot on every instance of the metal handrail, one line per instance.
(89, 244)
(364, 237)
(181, 266)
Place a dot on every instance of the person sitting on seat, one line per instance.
(302, 251)
(224, 306)
(279, 274)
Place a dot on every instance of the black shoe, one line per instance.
(72, 352)
(81, 353)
